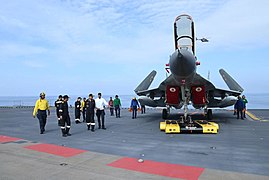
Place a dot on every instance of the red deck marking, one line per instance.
(55, 150)
(159, 168)
(4, 139)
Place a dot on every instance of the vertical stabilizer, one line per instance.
(231, 83)
(144, 85)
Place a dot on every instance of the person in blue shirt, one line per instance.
(134, 105)
(239, 106)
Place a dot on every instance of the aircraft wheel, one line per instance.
(209, 114)
(164, 114)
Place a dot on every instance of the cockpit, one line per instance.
(184, 36)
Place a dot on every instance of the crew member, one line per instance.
(100, 104)
(58, 105)
(117, 105)
(239, 106)
(143, 109)
(40, 110)
(77, 110)
(134, 105)
(83, 109)
(245, 102)
(65, 118)
(111, 107)
(90, 106)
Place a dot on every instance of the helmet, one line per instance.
(42, 94)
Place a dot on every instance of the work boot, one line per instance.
(67, 132)
(92, 128)
(88, 127)
(103, 128)
(63, 133)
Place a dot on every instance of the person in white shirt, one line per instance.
(100, 104)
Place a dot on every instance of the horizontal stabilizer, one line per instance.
(231, 83)
(144, 85)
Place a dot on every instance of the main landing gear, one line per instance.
(165, 114)
(186, 124)
(208, 114)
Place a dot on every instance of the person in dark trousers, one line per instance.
(234, 110)
(117, 105)
(143, 109)
(83, 109)
(77, 110)
(245, 102)
(65, 118)
(90, 107)
(239, 106)
(134, 105)
(58, 105)
(100, 104)
(40, 110)
(111, 106)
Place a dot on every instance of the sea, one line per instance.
(255, 101)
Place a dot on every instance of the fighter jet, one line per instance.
(183, 85)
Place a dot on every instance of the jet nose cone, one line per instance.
(182, 63)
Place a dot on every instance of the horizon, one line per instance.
(259, 93)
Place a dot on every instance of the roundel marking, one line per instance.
(198, 89)
(172, 89)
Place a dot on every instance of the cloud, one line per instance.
(237, 25)
(106, 31)
(17, 50)
(123, 34)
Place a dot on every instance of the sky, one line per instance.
(78, 47)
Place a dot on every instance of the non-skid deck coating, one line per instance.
(162, 169)
(239, 147)
(4, 139)
(56, 150)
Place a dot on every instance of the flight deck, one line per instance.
(238, 151)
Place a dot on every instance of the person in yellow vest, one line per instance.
(40, 110)
(83, 109)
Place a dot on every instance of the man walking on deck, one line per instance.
(58, 105)
(245, 103)
(40, 110)
(65, 118)
(83, 109)
(117, 105)
(78, 110)
(239, 106)
(100, 104)
(90, 106)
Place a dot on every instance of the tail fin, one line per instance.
(231, 83)
(144, 85)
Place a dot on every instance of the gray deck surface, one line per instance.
(241, 146)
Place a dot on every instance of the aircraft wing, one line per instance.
(222, 92)
(216, 91)
(156, 92)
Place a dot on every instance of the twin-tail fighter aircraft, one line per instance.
(184, 86)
